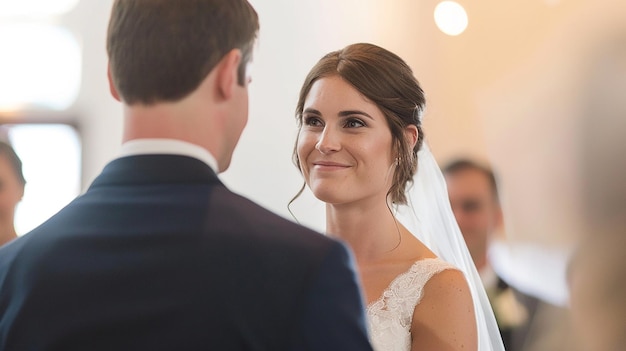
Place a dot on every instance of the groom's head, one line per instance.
(161, 50)
(180, 68)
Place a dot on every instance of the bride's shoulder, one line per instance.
(446, 307)
(446, 279)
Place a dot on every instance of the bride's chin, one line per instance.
(329, 197)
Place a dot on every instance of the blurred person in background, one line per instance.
(12, 185)
(473, 193)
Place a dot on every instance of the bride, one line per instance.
(361, 150)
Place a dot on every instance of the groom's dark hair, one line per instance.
(161, 50)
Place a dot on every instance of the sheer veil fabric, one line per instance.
(429, 217)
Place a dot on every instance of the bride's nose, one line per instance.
(328, 141)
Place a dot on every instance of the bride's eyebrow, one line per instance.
(354, 112)
(312, 111)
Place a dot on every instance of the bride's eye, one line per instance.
(354, 123)
(313, 121)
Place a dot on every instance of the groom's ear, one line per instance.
(112, 87)
(227, 73)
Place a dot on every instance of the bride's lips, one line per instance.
(329, 166)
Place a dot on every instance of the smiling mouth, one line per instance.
(329, 166)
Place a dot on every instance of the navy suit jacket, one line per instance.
(159, 255)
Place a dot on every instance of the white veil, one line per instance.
(429, 217)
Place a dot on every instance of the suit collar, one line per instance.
(156, 169)
(168, 147)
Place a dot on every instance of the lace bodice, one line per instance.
(390, 316)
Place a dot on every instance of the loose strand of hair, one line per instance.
(395, 221)
(294, 199)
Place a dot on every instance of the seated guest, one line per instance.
(12, 184)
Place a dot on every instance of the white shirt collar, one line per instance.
(168, 147)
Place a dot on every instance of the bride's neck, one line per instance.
(370, 231)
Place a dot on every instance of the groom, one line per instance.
(158, 254)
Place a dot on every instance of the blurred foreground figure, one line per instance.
(522, 318)
(598, 270)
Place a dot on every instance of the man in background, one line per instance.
(158, 254)
(522, 318)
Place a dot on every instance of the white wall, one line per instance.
(99, 116)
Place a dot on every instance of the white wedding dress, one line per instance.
(389, 317)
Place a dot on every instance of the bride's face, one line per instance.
(344, 145)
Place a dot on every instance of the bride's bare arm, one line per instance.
(444, 319)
